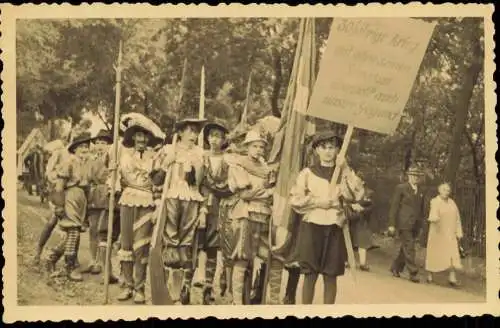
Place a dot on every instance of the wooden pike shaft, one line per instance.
(247, 100)
(114, 167)
(201, 110)
(201, 113)
(181, 89)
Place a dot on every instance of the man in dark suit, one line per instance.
(406, 215)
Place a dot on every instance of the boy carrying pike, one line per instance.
(136, 202)
(250, 179)
(183, 201)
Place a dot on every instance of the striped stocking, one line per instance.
(275, 274)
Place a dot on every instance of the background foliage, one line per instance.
(65, 67)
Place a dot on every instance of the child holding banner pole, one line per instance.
(322, 246)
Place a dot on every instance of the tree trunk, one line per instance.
(477, 175)
(464, 97)
(410, 151)
(277, 83)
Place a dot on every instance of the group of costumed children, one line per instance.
(213, 190)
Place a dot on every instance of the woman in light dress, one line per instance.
(445, 230)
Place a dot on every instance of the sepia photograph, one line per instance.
(260, 160)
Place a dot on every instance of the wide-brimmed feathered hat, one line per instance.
(180, 125)
(82, 138)
(326, 136)
(103, 135)
(135, 122)
(215, 125)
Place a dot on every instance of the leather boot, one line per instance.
(140, 282)
(139, 296)
(73, 274)
(185, 296)
(128, 271)
(207, 295)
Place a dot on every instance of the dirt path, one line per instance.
(377, 286)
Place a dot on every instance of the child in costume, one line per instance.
(214, 189)
(321, 243)
(70, 204)
(248, 179)
(226, 240)
(136, 202)
(98, 195)
(183, 201)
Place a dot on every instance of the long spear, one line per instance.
(181, 89)
(201, 115)
(201, 111)
(113, 167)
(247, 101)
(160, 294)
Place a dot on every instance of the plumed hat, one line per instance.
(135, 122)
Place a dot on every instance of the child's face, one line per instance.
(82, 150)
(189, 134)
(256, 149)
(141, 140)
(327, 151)
(215, 138)
(101, 146)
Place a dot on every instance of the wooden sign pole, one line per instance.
(333, 182)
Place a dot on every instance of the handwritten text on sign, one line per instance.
(367, 71)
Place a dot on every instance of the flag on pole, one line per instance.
(290, 138)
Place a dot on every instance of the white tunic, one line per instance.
(310, 189)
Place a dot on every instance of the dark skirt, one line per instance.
(361, 234)
(321, 249)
